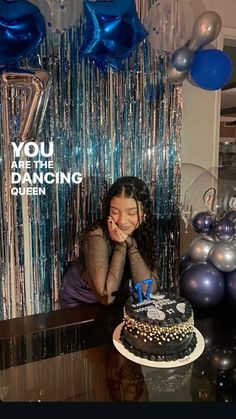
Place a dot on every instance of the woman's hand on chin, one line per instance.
(115, 233)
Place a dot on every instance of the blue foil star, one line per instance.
(112, 31)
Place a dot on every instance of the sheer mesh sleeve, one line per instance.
(139, 268)
(103, 277)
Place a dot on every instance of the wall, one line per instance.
(199, 141)
(201, 110)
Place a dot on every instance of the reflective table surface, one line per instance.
(68, 355)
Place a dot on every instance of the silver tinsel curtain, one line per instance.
(104, 126)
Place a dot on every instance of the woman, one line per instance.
(116, 249)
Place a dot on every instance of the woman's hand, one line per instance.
(115, 233)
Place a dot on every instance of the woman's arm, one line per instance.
(139, 268)
(104, 277)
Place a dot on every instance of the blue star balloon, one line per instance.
(22, 28)
(112, 32)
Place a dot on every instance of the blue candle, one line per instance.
(138, 288)
(149, 288)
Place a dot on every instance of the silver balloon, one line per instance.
(182, 59)
(205, 29)
(209, 238)
(223, 256)
(38, 83)
(199, 249)
(176, 77)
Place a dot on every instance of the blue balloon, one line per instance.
(22, 29)
(202, 222)
(230, 280)
(202, 284)
(211, 69)
(112, 32)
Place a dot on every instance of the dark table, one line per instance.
(68, 355)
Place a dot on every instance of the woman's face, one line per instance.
(126, 213)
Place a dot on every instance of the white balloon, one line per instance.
(169, 24)
(59, 14)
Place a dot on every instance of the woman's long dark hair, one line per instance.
(146, 233)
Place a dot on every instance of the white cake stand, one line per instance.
(159, 364)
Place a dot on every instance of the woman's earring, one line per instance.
(144, 217)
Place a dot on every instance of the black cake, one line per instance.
(161, 328)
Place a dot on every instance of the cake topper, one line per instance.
(138, 288)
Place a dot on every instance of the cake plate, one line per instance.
(199, 348)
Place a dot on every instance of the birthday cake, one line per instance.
(160, 328)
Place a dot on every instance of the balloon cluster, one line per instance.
(208, 269)
(208, 191)
(209, 69)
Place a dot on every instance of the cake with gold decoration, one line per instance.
(160, 328)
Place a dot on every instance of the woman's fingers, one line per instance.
(115, 233)
(113, 224)
(122, 236)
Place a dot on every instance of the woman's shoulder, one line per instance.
(94, 231)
